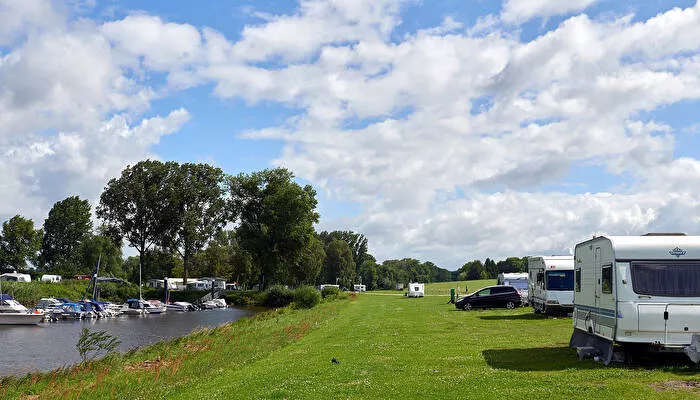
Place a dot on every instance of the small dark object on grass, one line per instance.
(334, 361)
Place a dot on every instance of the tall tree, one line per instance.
(100, 248)
(19, 244)
(356, 241)
(339, 265)
(138, 205)
(66, 227)
(311, 262)
(198, 209)
(276, 217)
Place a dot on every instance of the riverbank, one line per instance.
(386, 347)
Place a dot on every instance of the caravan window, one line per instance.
(560, 280)
(540, 278)
(578, 280)
(607, 279)
(666, 278)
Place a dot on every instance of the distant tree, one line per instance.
(19, 243)
(311, 262)
(276, 218)
(215, 259)
(511, 264)
(198, 210)
(491, 268)
(65, 229)
(157, 264)
(473, 270)
(104, 249)
(339, 265)
(368, 273)
(138, 205)
(356, 241)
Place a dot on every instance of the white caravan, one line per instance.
(518, 280)
(636, 293)
(51, 278)
(551, 281)
(416, 290)
(359, 288)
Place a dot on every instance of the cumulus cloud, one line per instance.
(457, 142)
(519, 11)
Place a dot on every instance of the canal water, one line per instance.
(48, 346)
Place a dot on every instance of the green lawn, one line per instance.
(387, 346)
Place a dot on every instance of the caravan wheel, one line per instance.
(467, 306)
(510, 305)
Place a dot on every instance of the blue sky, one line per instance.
(444, 130)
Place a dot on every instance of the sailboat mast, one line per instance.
(94, 277)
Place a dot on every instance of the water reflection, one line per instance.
(47, 346)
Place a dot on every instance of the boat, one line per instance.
(12, 312)
(72, 310)
(135, 307)
(155, 306)
(181, 306)
(215, 303)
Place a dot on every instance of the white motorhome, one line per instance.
(416, 290)
(551, 282)
(51, 278)
(359, 288)
(518, 280)
(637, 293)
(15, 277)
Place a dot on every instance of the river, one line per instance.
(51, 345)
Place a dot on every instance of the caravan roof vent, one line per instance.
(664, 234)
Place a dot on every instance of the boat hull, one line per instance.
(20, 319)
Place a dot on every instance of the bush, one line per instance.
(306, 297)
(246, 298)
(330, 291)
(278, 296)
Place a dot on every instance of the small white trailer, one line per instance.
(518, 280)
(416, 290)
(551, 282)
(51, 278)
(636, 293)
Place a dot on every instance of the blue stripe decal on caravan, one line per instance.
(597, 310)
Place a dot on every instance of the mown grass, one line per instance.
(387, 346)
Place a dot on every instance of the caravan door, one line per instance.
(606, 317)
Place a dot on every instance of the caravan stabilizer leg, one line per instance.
(693, 351)
(589, 345)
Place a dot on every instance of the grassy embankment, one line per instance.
(388, 347)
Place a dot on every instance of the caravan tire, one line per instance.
(467, 307)
(510, 305)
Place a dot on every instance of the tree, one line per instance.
(138, 205)
(276, 218)
(19, 243)
(491, 268)
(339, 265)
(472, 270)
(102, 248)
(198, 209)
(215, 260)
(311, 262)
(356, 241)
(64, 230)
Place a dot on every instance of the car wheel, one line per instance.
(467, 306)
(510, 305)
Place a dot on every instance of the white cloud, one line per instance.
(519, 11)
(449, 138)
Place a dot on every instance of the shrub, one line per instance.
(337, 296)
(245, 298)
(329, 291)
(278, 296)
(306, 297)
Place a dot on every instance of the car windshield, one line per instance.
(560, 280)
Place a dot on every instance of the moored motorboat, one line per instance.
(215, 303)
(135, 307)
(13, 312)
(181, 306)
(157, 307)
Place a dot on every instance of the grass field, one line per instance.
(387, 347)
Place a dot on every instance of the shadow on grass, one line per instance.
(528, 317)
(561, 358)
(536, 359)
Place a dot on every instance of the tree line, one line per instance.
(194, 220)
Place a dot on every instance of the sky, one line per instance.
(443, 130)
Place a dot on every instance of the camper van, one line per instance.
(359, 288)
(15, 277)
(551, 284)
(518, 280)
(636, 293)
(51, 278)
(416, 290)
